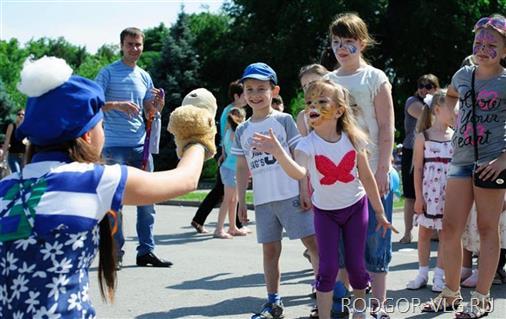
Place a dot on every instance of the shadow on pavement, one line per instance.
(215, 282)
(246, 305)
(177, 239)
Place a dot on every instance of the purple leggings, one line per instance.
(352, 221)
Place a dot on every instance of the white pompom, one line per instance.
(42, 75)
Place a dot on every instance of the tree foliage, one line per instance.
(210, 50)
(177, 72)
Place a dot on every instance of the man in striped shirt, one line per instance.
(129, 93)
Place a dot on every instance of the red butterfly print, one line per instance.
(333, 173)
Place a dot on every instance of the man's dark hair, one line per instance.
(132, 32)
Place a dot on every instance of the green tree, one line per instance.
(61, 48)
(214, 49)
(11, 61)
(284, 34)
(92, 64)
(153, 44)
(177, 72)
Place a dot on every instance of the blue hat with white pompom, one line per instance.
(60, 107)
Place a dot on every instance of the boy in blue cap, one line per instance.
(277, 204)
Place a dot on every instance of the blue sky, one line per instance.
(89, 22)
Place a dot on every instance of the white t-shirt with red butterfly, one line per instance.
(333, 171)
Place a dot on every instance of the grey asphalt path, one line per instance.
(217, 278)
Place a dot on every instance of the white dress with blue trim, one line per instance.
(45, 275)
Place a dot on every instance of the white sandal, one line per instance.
(479, 306)
(440, 303)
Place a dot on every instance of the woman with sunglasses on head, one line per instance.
(479, 157)
(14, 148)
(426, 84)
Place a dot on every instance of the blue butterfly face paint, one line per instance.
(348, 44)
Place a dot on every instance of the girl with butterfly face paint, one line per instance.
(334, 157)
(371, 90)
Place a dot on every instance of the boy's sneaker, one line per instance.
(270, 311)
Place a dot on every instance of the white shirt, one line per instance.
(270, 182)
(333, 171)
(364, 86)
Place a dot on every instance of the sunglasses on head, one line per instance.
(427, 86)
(497, 23)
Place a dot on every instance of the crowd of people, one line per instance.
(325, 178)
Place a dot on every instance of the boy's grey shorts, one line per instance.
(272, 217)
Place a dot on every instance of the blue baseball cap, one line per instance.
(260, 71)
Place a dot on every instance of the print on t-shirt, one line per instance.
(486, 101)
(333, 173)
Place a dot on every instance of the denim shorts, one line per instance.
(378, 249)
(227, 177)
(455, 171)
(271, 218)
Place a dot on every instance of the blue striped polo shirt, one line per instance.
(124, 83)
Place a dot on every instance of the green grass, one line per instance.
(199, 196)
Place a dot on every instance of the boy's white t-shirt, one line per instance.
(333, 171)
(364, 86)
(270, 182)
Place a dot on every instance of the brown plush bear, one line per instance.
(193, 122)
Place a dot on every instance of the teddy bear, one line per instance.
(193, 122)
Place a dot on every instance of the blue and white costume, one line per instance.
(46, 274)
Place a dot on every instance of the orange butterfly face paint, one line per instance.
(319, 108)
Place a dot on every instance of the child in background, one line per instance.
(480, 88)
(235, 117)
(54, 211)
(334, 155)
(432, 154)
(277, 205)
(277, 103)
(307, 75)
(372, 92)
(215, 196)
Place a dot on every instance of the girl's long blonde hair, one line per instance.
(346, 122)
(426, 119)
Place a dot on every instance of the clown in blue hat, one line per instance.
(53, 212)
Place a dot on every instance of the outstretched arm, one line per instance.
(143, 188)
